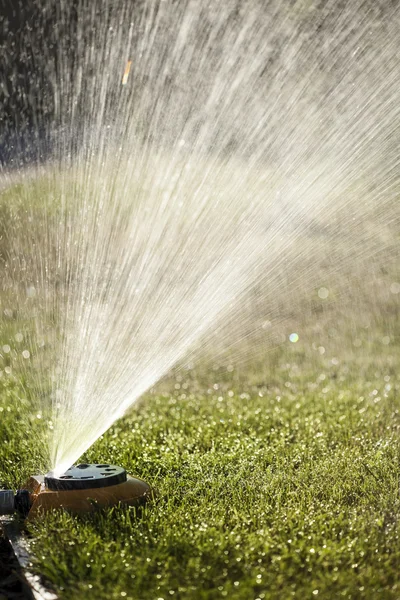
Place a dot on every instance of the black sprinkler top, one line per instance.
(86, 477)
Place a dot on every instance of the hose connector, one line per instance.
(19, 502)
(7, 502)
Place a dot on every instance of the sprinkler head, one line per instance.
(82, 488)
(86, 477)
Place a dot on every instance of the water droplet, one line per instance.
(395, 288)
(323, 293)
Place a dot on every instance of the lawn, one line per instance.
(275, 462)
(275, 482)
(276, 476)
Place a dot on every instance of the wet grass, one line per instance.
(276, 482)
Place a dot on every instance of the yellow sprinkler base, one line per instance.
(85, 488)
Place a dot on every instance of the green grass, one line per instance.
(281, 482)
(276, 480)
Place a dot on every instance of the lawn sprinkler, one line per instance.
(82, 488)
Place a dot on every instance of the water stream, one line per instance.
(189, 149)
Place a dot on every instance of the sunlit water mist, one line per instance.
(175, 188)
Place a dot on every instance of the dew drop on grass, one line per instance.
(323, 293)
(395, 288)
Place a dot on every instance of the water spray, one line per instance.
(83, 488)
